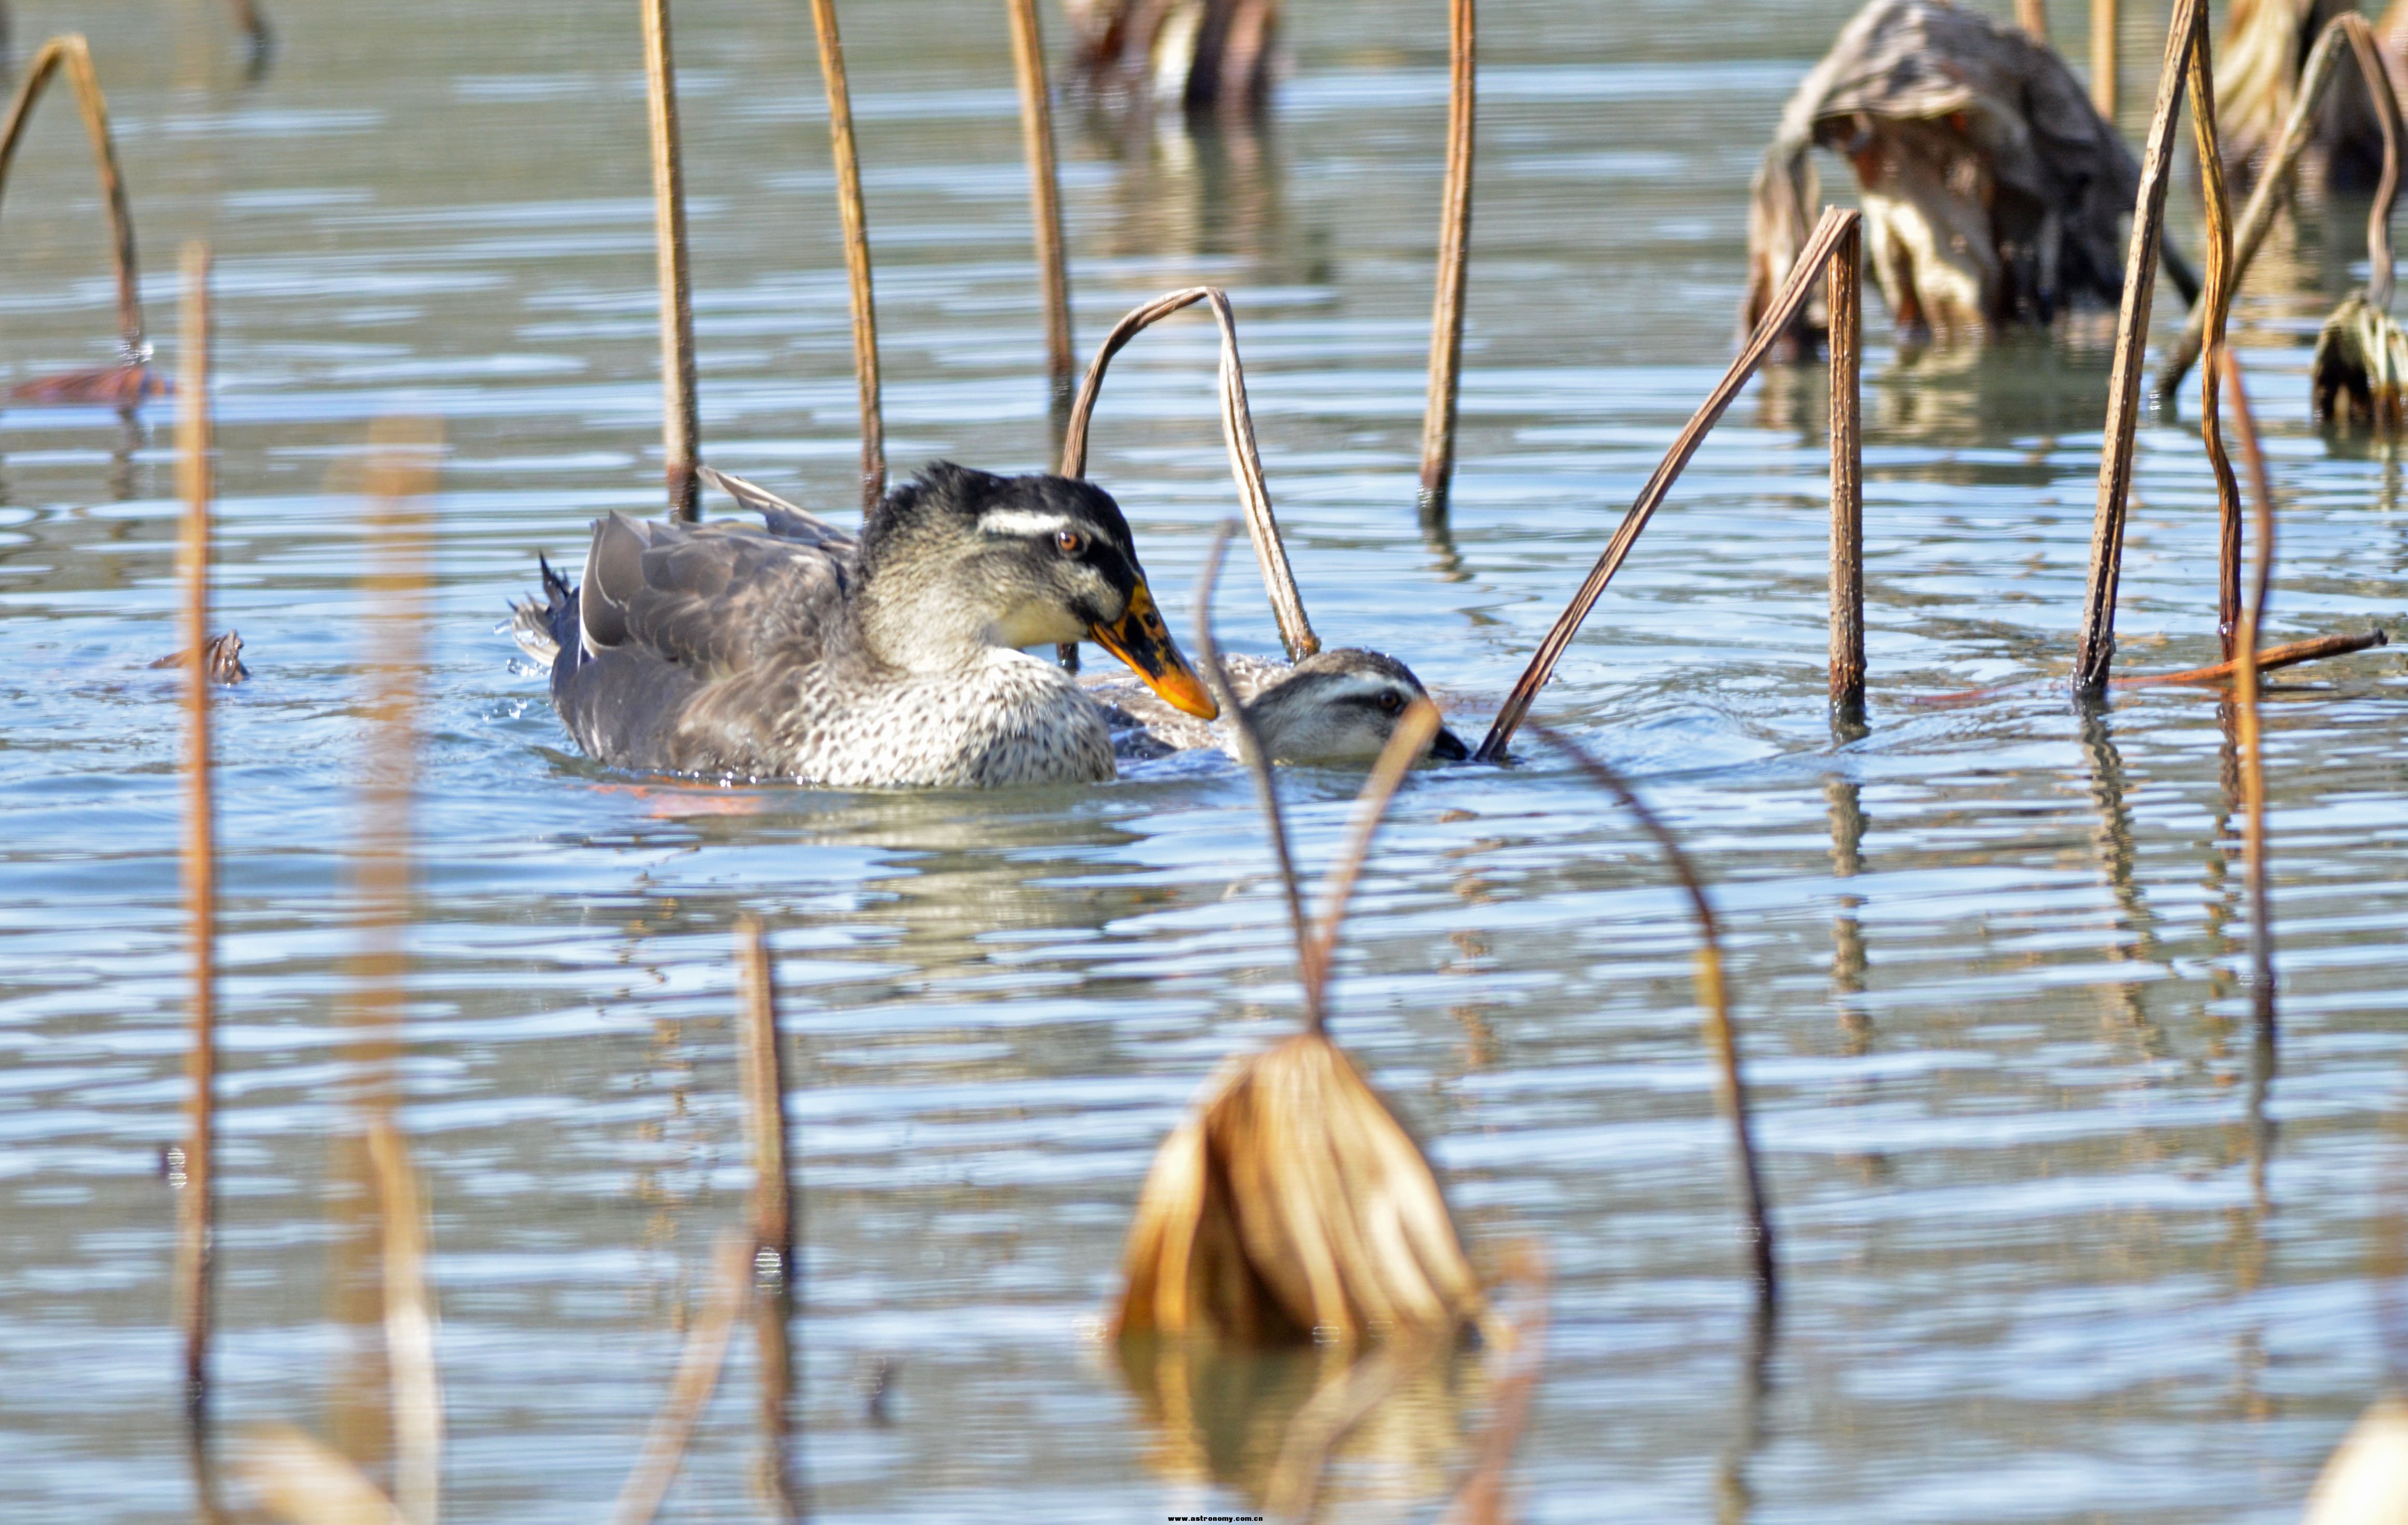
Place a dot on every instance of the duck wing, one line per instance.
(690, 642)
(785, 520)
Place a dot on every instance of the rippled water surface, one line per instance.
(1989, 960)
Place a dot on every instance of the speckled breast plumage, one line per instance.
(1014, 720)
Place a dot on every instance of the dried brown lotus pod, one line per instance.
(1291, 1204)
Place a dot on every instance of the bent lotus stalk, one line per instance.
(1291, 1204)
(129, 381)
(1797, 289)
(2216, 294)
(2266, 198)
(1721, 1036)
(2245, 696)
(1237, 432)
(2188, 31)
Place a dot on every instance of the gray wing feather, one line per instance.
(784, 519)
(683, 630)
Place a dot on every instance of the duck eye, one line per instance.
(1070, 541)
(1390, 701)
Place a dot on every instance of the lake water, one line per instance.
(1988, 961)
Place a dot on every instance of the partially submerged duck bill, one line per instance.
(795, 650)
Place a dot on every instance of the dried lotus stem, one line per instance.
(1250, 751)
(2216, 293)
(2186, 31)
(298, 1480)
(2104, 49)
(690, 1389)
(1722, 1035)
(196, 1205)
(2245, 694)
(2291, 654)
(1045, 198)
(409, 1330)
(73, 54)
(1453, 260)
(680, 411)
(1797, 289)
(773, 1204)
(1237, 431)
(1291, 1203)
(856, 252)
(2266, 198)
(1844, 287)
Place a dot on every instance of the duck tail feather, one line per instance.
(537, 626)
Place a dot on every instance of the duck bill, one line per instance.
(1448, 747)
(1141, 639)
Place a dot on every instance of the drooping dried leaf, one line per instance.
(1294, 1204)
(1993, 192)
(2359, 367)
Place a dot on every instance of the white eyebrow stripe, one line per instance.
(1021, 522)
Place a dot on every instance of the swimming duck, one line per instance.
(1340, 705)
(795, 650)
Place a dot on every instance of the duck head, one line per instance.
(1342, 705)
(956, 559)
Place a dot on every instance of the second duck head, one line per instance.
(956, 559)
(1342, 705)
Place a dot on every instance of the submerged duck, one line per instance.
(1340, 705)
(795, 650)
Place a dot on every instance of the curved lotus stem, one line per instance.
(2386, 113)
(1237, 429)
(2216, 293)
(1258, 765)
(1716, 1001)
(1771, 328)
(2267, 197)
(74, 55)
